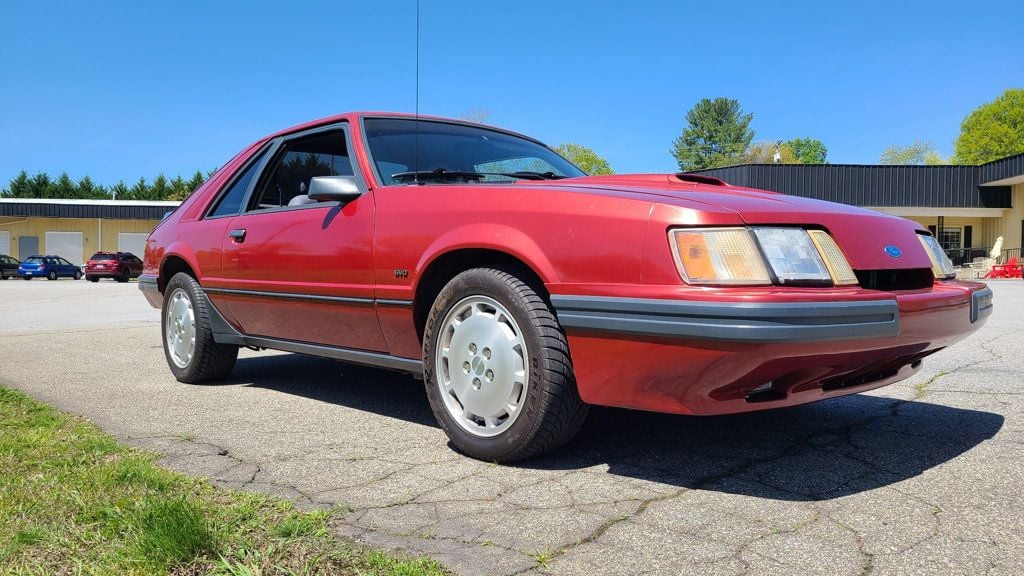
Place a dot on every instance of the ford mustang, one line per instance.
(522, 290)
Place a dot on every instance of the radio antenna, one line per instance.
(416, 168)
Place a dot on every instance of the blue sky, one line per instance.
(130, 89)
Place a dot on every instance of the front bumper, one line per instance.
(718, 356)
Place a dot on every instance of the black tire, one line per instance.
(124, 276)
(26, 277)
(552, 412)
(92, 278)
(210, 361)
(78, 274)
(52, 275)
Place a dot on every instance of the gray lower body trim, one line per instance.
(308, 297)
(730, 321)
(344, 354)
(147, 283)
(290, 296)
(225, 333)
(981, 304)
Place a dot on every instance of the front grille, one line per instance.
(889, 280)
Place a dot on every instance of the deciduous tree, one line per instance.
(993, 130)
(807, 150)
(918, 153)
(584, 158)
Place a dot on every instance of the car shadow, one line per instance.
(816, 451)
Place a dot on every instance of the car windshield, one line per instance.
(99, 256)
(35, 259)
(457, 153)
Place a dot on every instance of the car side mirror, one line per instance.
(334, 188)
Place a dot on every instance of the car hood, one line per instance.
(863, 234)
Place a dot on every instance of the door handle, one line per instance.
(238, 235)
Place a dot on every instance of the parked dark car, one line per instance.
(8, 266)
(121, 266)
(49, 267)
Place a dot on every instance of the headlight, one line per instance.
(942, 266)
(718, 256)
(739, 255)
(792, 255)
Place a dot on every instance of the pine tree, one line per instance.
(19, 187)
(39, 187)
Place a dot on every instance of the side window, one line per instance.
(301, 159)
(65, 262)
(230, 202)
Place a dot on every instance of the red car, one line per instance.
(522, 290)
(121, 266)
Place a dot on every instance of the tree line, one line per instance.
(41, 185)
(717, 134)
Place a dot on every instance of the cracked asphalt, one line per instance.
(921, 477)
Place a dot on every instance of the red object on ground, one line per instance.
(1009, 270)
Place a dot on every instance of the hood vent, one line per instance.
(687, 177)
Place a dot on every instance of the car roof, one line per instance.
(357, 116)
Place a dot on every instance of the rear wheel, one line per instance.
(52, 275)
(497, 369)
(26, 277)
(92, 278)
(193, 356)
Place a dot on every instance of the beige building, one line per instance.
(76, 229)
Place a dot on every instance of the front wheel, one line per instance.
(193, 356)
(78, 274)
(497, 369)
(124, 276)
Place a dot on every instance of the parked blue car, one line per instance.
(49, 267)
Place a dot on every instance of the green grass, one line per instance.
(73, 500)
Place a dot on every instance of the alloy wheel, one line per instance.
(482, 366)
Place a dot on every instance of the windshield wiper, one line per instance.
(443, 175)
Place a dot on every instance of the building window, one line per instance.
(951, 238)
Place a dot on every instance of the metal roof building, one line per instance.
(75, 229)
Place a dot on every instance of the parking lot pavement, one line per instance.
(922, 477)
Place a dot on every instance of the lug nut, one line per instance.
(487, 353)
(472, 348)
(489, 375)
(476, 383)
(466, 367)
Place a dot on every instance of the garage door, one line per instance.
(5, 242)
(67, 245)
(131, 242)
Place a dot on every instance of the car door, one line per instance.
(298, 270)
(66, 268)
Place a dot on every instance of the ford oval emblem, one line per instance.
(893, 251)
